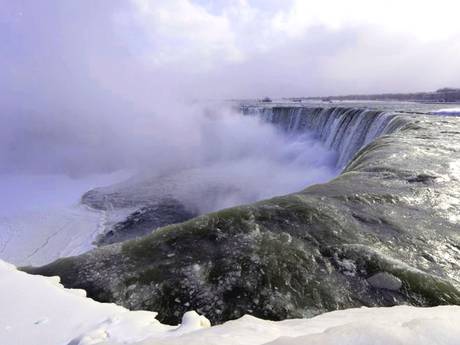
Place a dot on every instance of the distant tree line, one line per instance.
(444, 95)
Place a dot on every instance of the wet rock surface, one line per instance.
(384, 280)
(145, 220)
(385, 232)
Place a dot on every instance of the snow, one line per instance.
(402, 325)
(38, 310)
(41, 218)
(447, 111)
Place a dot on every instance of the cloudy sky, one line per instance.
(227, 48)
(88, 83)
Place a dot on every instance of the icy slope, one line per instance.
(38, 310)
(40, 236)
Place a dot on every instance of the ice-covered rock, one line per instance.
(309, 252)
(384, 280)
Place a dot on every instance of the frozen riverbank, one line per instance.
(41, 218)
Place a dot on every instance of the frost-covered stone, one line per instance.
(384, 280)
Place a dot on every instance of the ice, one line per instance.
(447, 111)
(41, 218)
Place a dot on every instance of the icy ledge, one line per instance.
(39, 310)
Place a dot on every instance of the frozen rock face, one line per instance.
(385, 232)
(145, 220)
(384, 280)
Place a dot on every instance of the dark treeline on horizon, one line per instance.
(444, 95)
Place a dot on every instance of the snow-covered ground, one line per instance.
(41, 218)
(38, 310)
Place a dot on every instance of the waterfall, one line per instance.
(344, 130)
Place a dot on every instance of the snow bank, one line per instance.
(402, 325)
(38, 310)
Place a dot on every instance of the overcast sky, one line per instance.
(88, 84)
(227, 48)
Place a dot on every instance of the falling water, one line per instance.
(344, 130)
